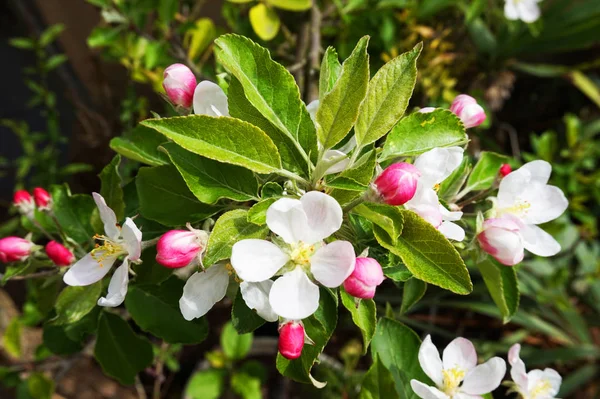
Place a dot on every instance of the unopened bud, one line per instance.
(59, 254)
(24, 202)
(179, 248)
(365, 278)
(505, 169)
(43, 200)
(291, 339)
(467, 109)
(501, 238)
(14, 249)
(397, 184)
(179, 84)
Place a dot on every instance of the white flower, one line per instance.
(210, 99)
(457, 374)
(299, 256)
(435, 166)
(202, 290)
(117, 241)
(525, 10)
(536, 384)
(525, 198)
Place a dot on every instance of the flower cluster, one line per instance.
(26, 203)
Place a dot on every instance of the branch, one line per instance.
(44, 273)
(315, 52)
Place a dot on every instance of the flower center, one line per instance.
(520, 208)
(108, 249)
(300, 253)
(452, 379)
(541, 389)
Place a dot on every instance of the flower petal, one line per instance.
(293, 296)
(117, 289)
(429, 359)
(108, 217)
(517, 371)
(452, 231)
(340, 165)
(529, 11)
(210, 99)
(554, 379)
(538, 242)
(539, 171)
(256, 296)
(459, 353)
(133, 239)
(257, 260)
(202, 290)
(437, 164)
(324, 215)
(333, 263)
(287, 219)
(539, 377)
(312, 109)
(542, 204)
(510, 10)
(426, 392)
(484, 378)
(88, 270)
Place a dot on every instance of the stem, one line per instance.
(474, 198)
(140, 388)
(315, 52)
(39, 226)
(355, 202)
(164, 347)
(44, 273)
(293, 176)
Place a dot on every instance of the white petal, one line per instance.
(108, 217)
(539, 171)
(459, 353)
(312, 109)
(517, 371)
(451, 216)
(210, 99)
(437, 164)
(203, 290)
(429, 359)
(256, 296)
(293, 296)
(117, 289)
(257, 260)
(538, 242)
(484, 378)
(133, 239)
(554, 379)
(510, 10)
(426, 392)
(539, 378)
(452, 231)
(324, 215)
(543, 203)
(341, 157)
(88, 270)
(333, 263)
(287, 219)
(529, 11)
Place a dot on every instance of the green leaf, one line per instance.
(397, 347)
(246, 385)
(230, 228)
(359, 176)
(74, 303)
(364, 315)
(485, 171)
(55, 61)
(198, 38)
(150, 272)
(330, 71)
(51, 34)
(102, 36)
(211, 180)
(387, 97)
(155, 309)
(223, 139)
(428, 254)
(258, 213)
(319, 327)
(165, 198)
(111, 188)
(18, 269)
(338, 110)
(378, 383)
(291, 5)
(501, 282)
(73, 212)
(167, 10)
(235, 346)
(421, 132)
(270, 88)
(208, 384)
(452, 184)
(58, 342)
(244, 319)
(24, 43)
(121, 353)
(141, 144)
(387, 217)
(412, 293)
(265, 21)
(40, 386)
(11, 339)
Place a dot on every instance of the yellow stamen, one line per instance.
(301, 253)
(452, 379)
(109, 248)
(541, 389)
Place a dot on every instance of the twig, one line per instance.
(160, 362)
(140, 388)
(44, 273)
(301, 50)
(315, 52)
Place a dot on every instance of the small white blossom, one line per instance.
(525, 10)
(536, 384)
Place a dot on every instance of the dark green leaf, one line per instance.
(111, 188)
(501, 282)
(412, 293)
(244, 319)
(73, 212)
(74, 303)
(378, 383)
(364, 315)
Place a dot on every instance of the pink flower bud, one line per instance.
(179, 83)
(505, 169)
(365, 278)
(291, 340)
(59, 254)
(42, 198)
(501, 238)
(179, 248)
(397, 183)
(24, 202)
(14, 249)
(467, 109)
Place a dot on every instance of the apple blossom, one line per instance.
(179, 83)
(526, 10)
(117, 241)
(456, 375)
(298, 254)
(397, 184)
(179, 248)
(14, 249)
(365, 278)
(59, 254)
(291, 339)
(202, 290)
(210, 99)
(536, 384)
(24, 202)
(501, 239)
(42, 198)
(467, 109)
(435, 166)
(505, 169)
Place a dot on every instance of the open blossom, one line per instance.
(537, 384)
(435, 166)
(456, 375)
(291, 339)
(179, 248)
(59, 254)
(117, 241)
(299, 254)
(365, 278)
(397, 184)
(210, 99)
(525, 10)
(14, 249)
(467, 109)
(24, 202)
(42, 198)
(179, 83)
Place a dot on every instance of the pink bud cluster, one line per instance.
(365, 278)
(27, 203)
(467, 109)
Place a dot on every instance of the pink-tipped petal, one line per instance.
(397, 184)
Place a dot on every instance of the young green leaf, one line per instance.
(235, 346)
(74, 303)
(73, 212)
(265, 21)
(111, 189)
(501, 282)
(359, 176)
(378, 383)
(207, 384)
(141, 144)
(330, 72)
(291, 5)
(451, 186)
(258, 213)
(364, 315)
(486, 171)
(387, 217)
(413, 291)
